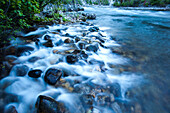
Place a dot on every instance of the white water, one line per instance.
(28, 89)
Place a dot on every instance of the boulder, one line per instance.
(71, 59)
(68, 41)
(52, 75)
(77, 39)
(36, 73)
(46, 104)
(20, 70)
(93, 48)
(10, 109)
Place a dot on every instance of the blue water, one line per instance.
(147, 35)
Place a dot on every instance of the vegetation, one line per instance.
(136, 3)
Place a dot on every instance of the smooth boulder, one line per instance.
(36, 73)
(52, 75)
(71, 59)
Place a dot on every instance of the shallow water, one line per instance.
(147, 35)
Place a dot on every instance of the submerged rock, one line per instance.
(77, 39)
(68, 41)
(71, 59)
(20, 70)
(93, 48)
(46, 104)
(36, 73)
(52, 75)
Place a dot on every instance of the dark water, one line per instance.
(147, 35)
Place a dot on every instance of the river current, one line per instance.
(147, 34)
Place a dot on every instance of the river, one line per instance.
(146, 33)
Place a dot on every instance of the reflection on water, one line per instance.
(146, 35)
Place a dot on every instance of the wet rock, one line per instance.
(77, 39)
(58, 43)
(79, 8)
(36, 73)
(20, 70)
(46, 104)
(94, 61)
(81, 45)
(104, 99)
(71, 59)
(69, 35)
(84, 23)
(83, 55)
(47, 37)
(87, 100)
(93, 48)
(49, 43)
(10, 58)
(33, 59)
(76, 52)
(93, 29)
(18, 50)
(52, 75)
(22, 49)
(10, 109)
(83, 19)
(91, 16)
(67, 41)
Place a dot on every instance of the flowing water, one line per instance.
(147, 34)
(132, 56)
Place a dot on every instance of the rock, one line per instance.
(20, 70)
(93, 48)
(49, 43)
(81, 45)
(46, 104)
(76, 51)
(69, 35)
(11, 50)
(33, 59)
(71, 59)
(83, 19)
(104, 99)
(58, 43)
(36, 73)
(84, 23)
(52, 75)
(10, 58)
(10, 109)
(83, 55)
(91, 16)
(47, 37)
(79, 8)
(22, 49)
(87, 100)
(93, 29)
(77, 39)
(67, 41)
